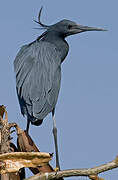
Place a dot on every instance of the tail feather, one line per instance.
(37, 122)
(34, 121)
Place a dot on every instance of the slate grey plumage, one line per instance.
(38, 71)
(38, 75)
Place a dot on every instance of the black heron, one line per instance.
(38, 71)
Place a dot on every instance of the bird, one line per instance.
(37, 69)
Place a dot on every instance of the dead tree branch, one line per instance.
(92, 173)
(14, 160)
(6, 146)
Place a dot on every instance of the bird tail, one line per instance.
(37, 122)
(34, 121)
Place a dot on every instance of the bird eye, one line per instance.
(69, 26)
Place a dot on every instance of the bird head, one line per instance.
(66, 27)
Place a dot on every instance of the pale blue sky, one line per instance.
(87, 109)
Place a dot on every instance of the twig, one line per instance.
(90, 172)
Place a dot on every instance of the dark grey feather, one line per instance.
(38, 75)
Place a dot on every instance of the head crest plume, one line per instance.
(39, 20)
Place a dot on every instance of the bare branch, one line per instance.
(90, 172)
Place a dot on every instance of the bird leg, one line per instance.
(55, 141)
(28, 124)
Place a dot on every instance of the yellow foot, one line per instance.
(56, 169)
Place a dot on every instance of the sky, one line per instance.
(87, 108)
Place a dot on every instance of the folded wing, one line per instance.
(38, 75)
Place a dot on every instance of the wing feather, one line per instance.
(38, 75)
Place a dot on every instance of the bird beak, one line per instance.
(81, 28)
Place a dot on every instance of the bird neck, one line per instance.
(59, 42)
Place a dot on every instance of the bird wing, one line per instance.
(38, 75)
